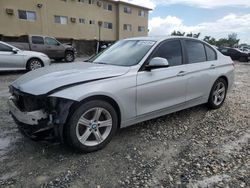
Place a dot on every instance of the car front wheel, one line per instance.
(34, 64)
(69, 56)
(218, 94)
(92, 126)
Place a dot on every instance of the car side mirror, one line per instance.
(157, 63)
(15, 51)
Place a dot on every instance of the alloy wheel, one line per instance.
(219, 93)
(94, 126)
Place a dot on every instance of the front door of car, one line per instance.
(53, 48)
(10, 59)
(162, 88)
(201, 71)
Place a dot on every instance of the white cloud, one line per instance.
(196, 3)
(239, 24)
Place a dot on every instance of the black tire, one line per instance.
(211, 103)
(34, 64)
(71, 126)
(69, 56)
(243, 59)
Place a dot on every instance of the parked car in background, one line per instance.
(48, 45)
(134, 80)
(235, 54)
(12, 58)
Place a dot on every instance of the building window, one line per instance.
(141, 13)
(107, 6)
(127, 10)
(91, 2)
(61, 19)
(82, 21)
(141, 29)
(108, 25)
(127, 27)
(92, 22)
(27, 15)
(81, 1)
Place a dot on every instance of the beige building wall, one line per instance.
(11, 25)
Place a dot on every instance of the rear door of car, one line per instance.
(53, 48)
(163, 88)
(10, 60)
(37, 44)
(202, 69)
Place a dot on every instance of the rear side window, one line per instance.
(211, 54)
(195, 51)
(37, 40)
(5, 48)
(170, 50)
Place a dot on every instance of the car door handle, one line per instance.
(212, 66)
(181, 73)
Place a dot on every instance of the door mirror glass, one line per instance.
(156, 63)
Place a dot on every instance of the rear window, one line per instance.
(195, 51)
(37, 40)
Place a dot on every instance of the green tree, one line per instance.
(177, 33)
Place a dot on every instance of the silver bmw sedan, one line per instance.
(134, 80)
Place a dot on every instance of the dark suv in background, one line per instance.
(47, 45)
(235, 54)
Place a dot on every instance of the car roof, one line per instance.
(161, 38)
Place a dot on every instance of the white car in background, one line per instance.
(12, 58)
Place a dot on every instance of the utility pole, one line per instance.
(99, 39)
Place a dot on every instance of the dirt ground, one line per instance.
(192, 148)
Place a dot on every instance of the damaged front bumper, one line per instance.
(39, 122)
(30, 118)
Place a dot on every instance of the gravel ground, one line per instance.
(191, 148)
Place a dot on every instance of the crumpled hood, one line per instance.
(44, 80)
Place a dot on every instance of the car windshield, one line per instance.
(124, 53)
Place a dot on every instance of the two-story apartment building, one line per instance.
(78, 19)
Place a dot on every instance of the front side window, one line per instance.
(5, 48)
(171, 51)
(27, 15)
(51, 41)
(195, 51)
(124, 53)
(61, 20)
(37, 40)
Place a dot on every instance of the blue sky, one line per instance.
(216, 18)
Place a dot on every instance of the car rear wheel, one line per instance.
(34, 64)
(69, 56)
(243, 59)
(218, 94)
(92, 126)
